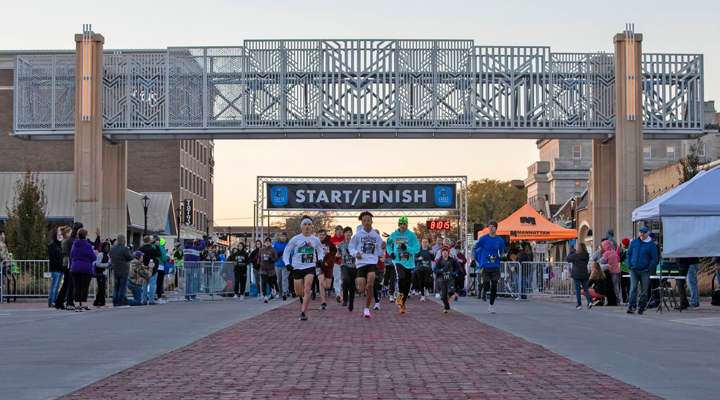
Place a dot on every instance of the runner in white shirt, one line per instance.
(301, 256)
(366, 246)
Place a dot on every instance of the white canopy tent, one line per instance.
(690, 216)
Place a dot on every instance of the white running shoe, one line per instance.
(391, 299)
(366, 313)
(437, 295)
(235, 296)
(422, 298)
(491, 309)
(376, 307)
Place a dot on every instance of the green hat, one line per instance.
(162, 242)
(403, 220)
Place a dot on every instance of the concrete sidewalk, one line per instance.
(48, 353)
(674, 355)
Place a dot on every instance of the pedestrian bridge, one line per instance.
(359, 88)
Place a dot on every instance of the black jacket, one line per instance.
(120, 258)
(55, 256)
(151, 252)
(580, 264)
(240, 258)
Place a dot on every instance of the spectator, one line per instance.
(65, 299)
(642, 255)
(151, 257)
(120, 258)
(689, 268)
(579, 260)
(138, 278)
(102, 263)
(624, 269)
(162, 269)
(255, 262)
(610, 257)
(55, 259)
(82, 258)
(598, 285)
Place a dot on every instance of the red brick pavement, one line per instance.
(336, 354)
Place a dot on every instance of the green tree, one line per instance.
(690, 164)
(321, 220)
(26, 225)
(491, 199)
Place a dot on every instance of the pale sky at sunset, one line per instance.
(564, 25)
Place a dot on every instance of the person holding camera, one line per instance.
(403, 246)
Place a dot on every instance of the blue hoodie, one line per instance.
(487, 247)
(406, 258)
(643, 256)
(279, 249)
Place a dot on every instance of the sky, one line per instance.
(564, 25)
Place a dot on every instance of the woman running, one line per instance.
(301, 256)
(424, 262)
(366, 246)
(327, 263)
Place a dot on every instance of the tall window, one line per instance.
(647, 152)
(670, 152)
(701, 149)
(577, 152)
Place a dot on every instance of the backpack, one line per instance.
(715, 294)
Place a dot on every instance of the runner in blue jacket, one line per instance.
(488, 252)
(403, 246)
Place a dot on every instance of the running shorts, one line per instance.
(301, 273)
(362, 272)
(491, 274)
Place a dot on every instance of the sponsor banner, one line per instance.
(361, 196)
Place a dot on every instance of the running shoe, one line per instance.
(437, 295)
(323, 306)
(491, 309)
(376, 307)
(422, 298)
(631, 310)
(303, 317)
(235, 296)
(366, 313)
(337, 298)
(445, 311)
(391, 298)
(350, 307)
(579, 307)
(284, 297)
(399, 299)
(344, 303)
(590, 306)
(266, 300)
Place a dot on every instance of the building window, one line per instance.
(647, 152)
(700, 150)
(577, 152)
(670, 152)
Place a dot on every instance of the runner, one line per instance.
(349, 273)
(403, 246)
(446, 269)
(488, 251)
(327, 263)
(388, 274)
(366, 245)
(337, 238)
(424, 262)
(301, 256)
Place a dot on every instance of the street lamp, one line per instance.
(572, 211)
(146, 203)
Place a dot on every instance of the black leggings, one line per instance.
(404, 281)
(348, 283)
(445, 292)
(240, 275)
(424, 280)
(389, 278)
(81, 284)
(268, 283)
(492, 284)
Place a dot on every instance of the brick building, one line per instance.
(181, 167)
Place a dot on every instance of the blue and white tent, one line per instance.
(690, 216)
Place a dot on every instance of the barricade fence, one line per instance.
(207, 279)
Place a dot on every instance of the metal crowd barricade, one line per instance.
(203, 279)
(546, 278)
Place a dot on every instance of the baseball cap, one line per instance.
(644, 229)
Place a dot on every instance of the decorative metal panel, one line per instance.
(357, 86)
(672, 91)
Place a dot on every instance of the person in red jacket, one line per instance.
(325, 277)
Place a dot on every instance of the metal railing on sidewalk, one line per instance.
(209, 279)
(520, 280)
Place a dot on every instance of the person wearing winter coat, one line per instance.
(120, 257)
(240, 259)
(642, 256)
(612, 260)
(138, 278)
(82, 258)
(102, 264)
(283, 275)
(267, 258)
(579, 260)
(55, 259)
(65, 298)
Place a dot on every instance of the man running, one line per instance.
(349, 273)
(366, 246)
(403, 246)
(488, 251)
(301, 256)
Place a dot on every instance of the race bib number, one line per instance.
(307, 254)
(424, 263)
(348, 259)
(266, 257)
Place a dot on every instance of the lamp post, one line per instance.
(146, 203)
(572, 211)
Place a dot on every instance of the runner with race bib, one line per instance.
(301, 256)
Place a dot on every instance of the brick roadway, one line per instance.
(336, 354)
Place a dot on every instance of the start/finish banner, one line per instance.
(361, 196)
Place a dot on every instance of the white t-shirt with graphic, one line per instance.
(303, 252)
(369, 244)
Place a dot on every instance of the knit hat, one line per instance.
(137, 254)
(403, 220)
(625, 242)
